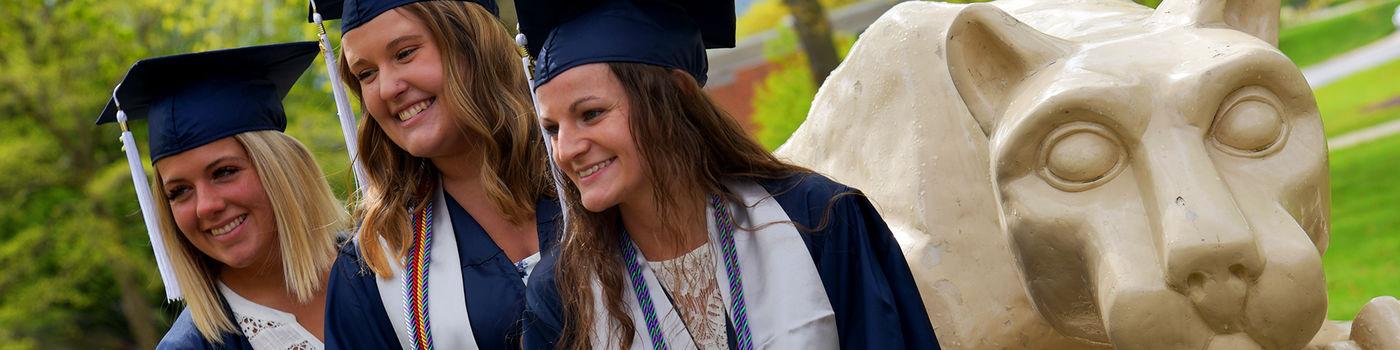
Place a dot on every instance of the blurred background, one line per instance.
(76, 270)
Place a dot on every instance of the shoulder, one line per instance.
(543, 307)
(542, 293)
(809, 198)
(349, 266)
(184, 335)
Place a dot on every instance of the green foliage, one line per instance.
(75, 264)
(768, 14)
(1361, 261)
(1362, 100)
(782, 100)
(1312, 43)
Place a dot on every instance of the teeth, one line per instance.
(417, 108)
(595, 168)
(222, 230)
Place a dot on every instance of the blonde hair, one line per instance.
(308, 218)
(489, 100)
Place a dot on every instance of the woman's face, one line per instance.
(399, 69)
(219, 203)
(586, 114)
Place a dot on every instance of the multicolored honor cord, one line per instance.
(725, 223)
(415, 284)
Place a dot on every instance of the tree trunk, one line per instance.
(508, 17)
(814, 33)
(135, 308)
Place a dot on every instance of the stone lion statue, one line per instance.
(1085, 174)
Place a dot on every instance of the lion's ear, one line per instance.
(1254, 17)
(990, 54)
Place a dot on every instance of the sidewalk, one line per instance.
(1371, 55)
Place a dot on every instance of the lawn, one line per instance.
(1363, 260)
(1364, 99)
(1311, 43)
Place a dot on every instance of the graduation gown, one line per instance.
(868, 295)
(494, 293)
(184, 336)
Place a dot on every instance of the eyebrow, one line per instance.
(207, 168)
(573, 107)
(392, 43)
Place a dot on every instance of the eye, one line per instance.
(1249, 124)
(551, 130)
(1080, 156)
(176, 193)
(365, 75)
(223, 172)
(592, 114)
(405, 54)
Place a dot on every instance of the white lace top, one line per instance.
(690, 282)
(268, 328)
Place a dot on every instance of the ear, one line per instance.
(990, 54)
(1254, 17)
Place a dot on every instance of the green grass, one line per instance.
(1350, 104)
(1315, 42)
(1363, 260)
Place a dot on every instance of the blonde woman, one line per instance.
(455, 213)
(250, 222)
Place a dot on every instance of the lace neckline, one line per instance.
(268, 328)
(689, 281)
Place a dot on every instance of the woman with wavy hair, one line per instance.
(683, 231)
(455, 210)
(251, 223)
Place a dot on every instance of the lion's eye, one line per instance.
(1079, 156)
(1249, 123)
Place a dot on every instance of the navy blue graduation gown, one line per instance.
(355, 317)
(184, 336)
(862, 269)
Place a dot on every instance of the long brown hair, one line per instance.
(488, 99)
(683, 137)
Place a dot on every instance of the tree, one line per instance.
(75, 265)
(814, 33)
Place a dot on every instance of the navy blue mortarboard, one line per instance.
(192, 99)
(329, 10)
(355, 13)
(563, 34)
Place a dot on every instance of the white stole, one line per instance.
(447, 299)
(787, 305)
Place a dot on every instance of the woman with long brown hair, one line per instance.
(455, 209)
(683, 232)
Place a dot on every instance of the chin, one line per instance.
(597, 203)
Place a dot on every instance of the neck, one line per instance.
(260, 278)
(661, 238)
(458, 169)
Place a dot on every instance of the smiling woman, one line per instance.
(683, 231)
(250, 222)
(456, 180)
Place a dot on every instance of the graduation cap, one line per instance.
(563, 34)
(190, 100)
(355, 13)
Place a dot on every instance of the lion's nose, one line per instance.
(1211, 257)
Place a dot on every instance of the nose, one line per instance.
(391, 85)
(1209, 248)
(208, 204)
(569, 145)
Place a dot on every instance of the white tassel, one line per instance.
(148, 212)
(548, 147)
(342, 105)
